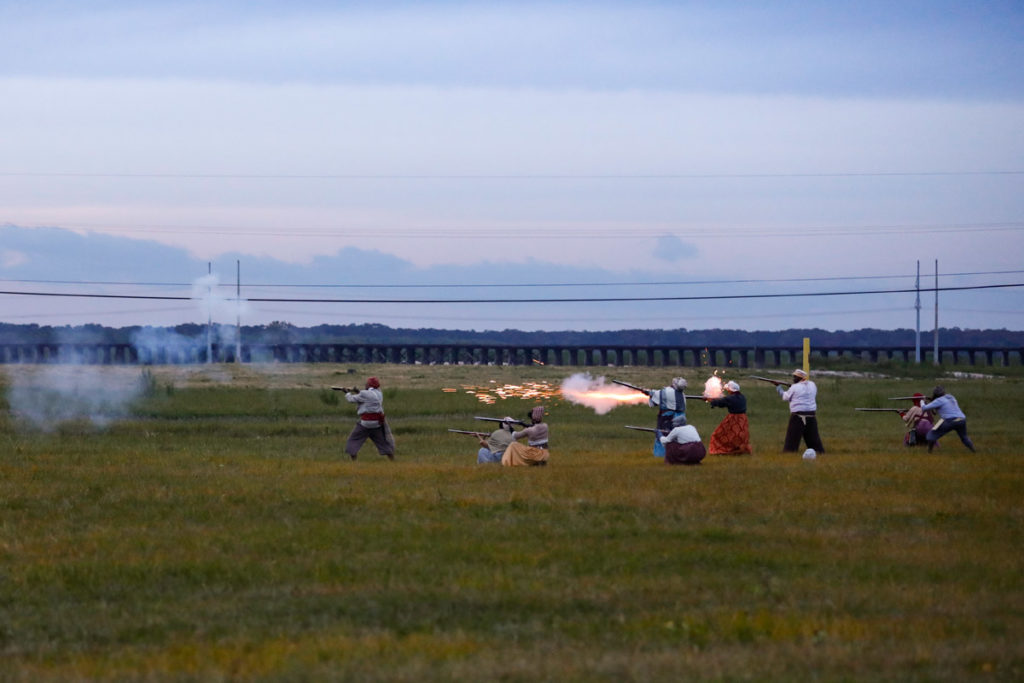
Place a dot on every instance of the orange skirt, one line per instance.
(731, 437)
(518, 454)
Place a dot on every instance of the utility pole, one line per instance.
(209, 313)
(935, 351)
(238, 311)
(917, 305)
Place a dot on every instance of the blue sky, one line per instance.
(473, 143)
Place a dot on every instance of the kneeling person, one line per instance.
(536, 435)
(493, 447)
(683, 445)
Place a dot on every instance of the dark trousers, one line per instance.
(802, 425)
(684, 453)
(380, 436)
(958, 425)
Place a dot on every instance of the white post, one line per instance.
(238, 311)
(935, 351)
(917, 305)
(209, 313)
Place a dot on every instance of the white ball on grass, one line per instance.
(809, 454)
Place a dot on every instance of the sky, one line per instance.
(480, 165)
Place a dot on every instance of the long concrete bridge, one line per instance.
(490, 354)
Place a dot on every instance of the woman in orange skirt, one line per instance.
(732, 436)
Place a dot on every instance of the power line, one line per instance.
(710, 297)
(463, 285)
(603, 319)
(504, 176)
(429, 232)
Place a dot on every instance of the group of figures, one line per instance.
(929, 419)
(677, 441)
(505, 444)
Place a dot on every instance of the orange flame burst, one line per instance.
(713, 387)
(594, 393)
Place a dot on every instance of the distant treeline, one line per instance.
(282, 333)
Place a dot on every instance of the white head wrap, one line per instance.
(732, 386)
(679, 383)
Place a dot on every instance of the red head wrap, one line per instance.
(373, 382)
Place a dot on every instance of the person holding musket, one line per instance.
(802, 397)
(918, 422)
(683, 445)
(493, 447)
(670, 402)
(951, 419)
(732, 435)
(371, 424)
(536, 435)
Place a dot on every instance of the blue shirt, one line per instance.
(946, 406)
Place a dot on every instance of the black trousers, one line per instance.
(803, 424)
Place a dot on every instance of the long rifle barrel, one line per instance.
(641, 429)
(879, 410)
(347, 390)
(463, 431)
(907, 398)
(776, 382)
(631, 386)
(500, 419)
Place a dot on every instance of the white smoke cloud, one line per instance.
(157, 344)
(53, 394)
(595, 393)
(206, 291)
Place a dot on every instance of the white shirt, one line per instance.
(654, 400)
(801, 396)
(684, 434)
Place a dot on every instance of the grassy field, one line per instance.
(212, 529)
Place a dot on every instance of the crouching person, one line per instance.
(683, 445)
(536, 435)
(493, 447)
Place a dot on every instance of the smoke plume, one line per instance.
(54, 394)
(585, 390)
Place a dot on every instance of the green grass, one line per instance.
(220, 534)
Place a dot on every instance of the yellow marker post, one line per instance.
(807, 355)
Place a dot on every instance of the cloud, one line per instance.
(671, 248)
(11, 258)
(934, 47)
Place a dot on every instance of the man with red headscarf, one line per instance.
(918, 422)
(371, 424)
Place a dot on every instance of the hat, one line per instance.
(679, 383)
(938, 391)
(732, 386)
(679, 421)
(800, 373)
(373, 382)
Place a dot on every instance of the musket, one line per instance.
(463, 431)
(632, 386)
(880, 410)
(501, 419)
(776, 382)
(641, 429)
(642, 390)
(908, 398)
(348, 390)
